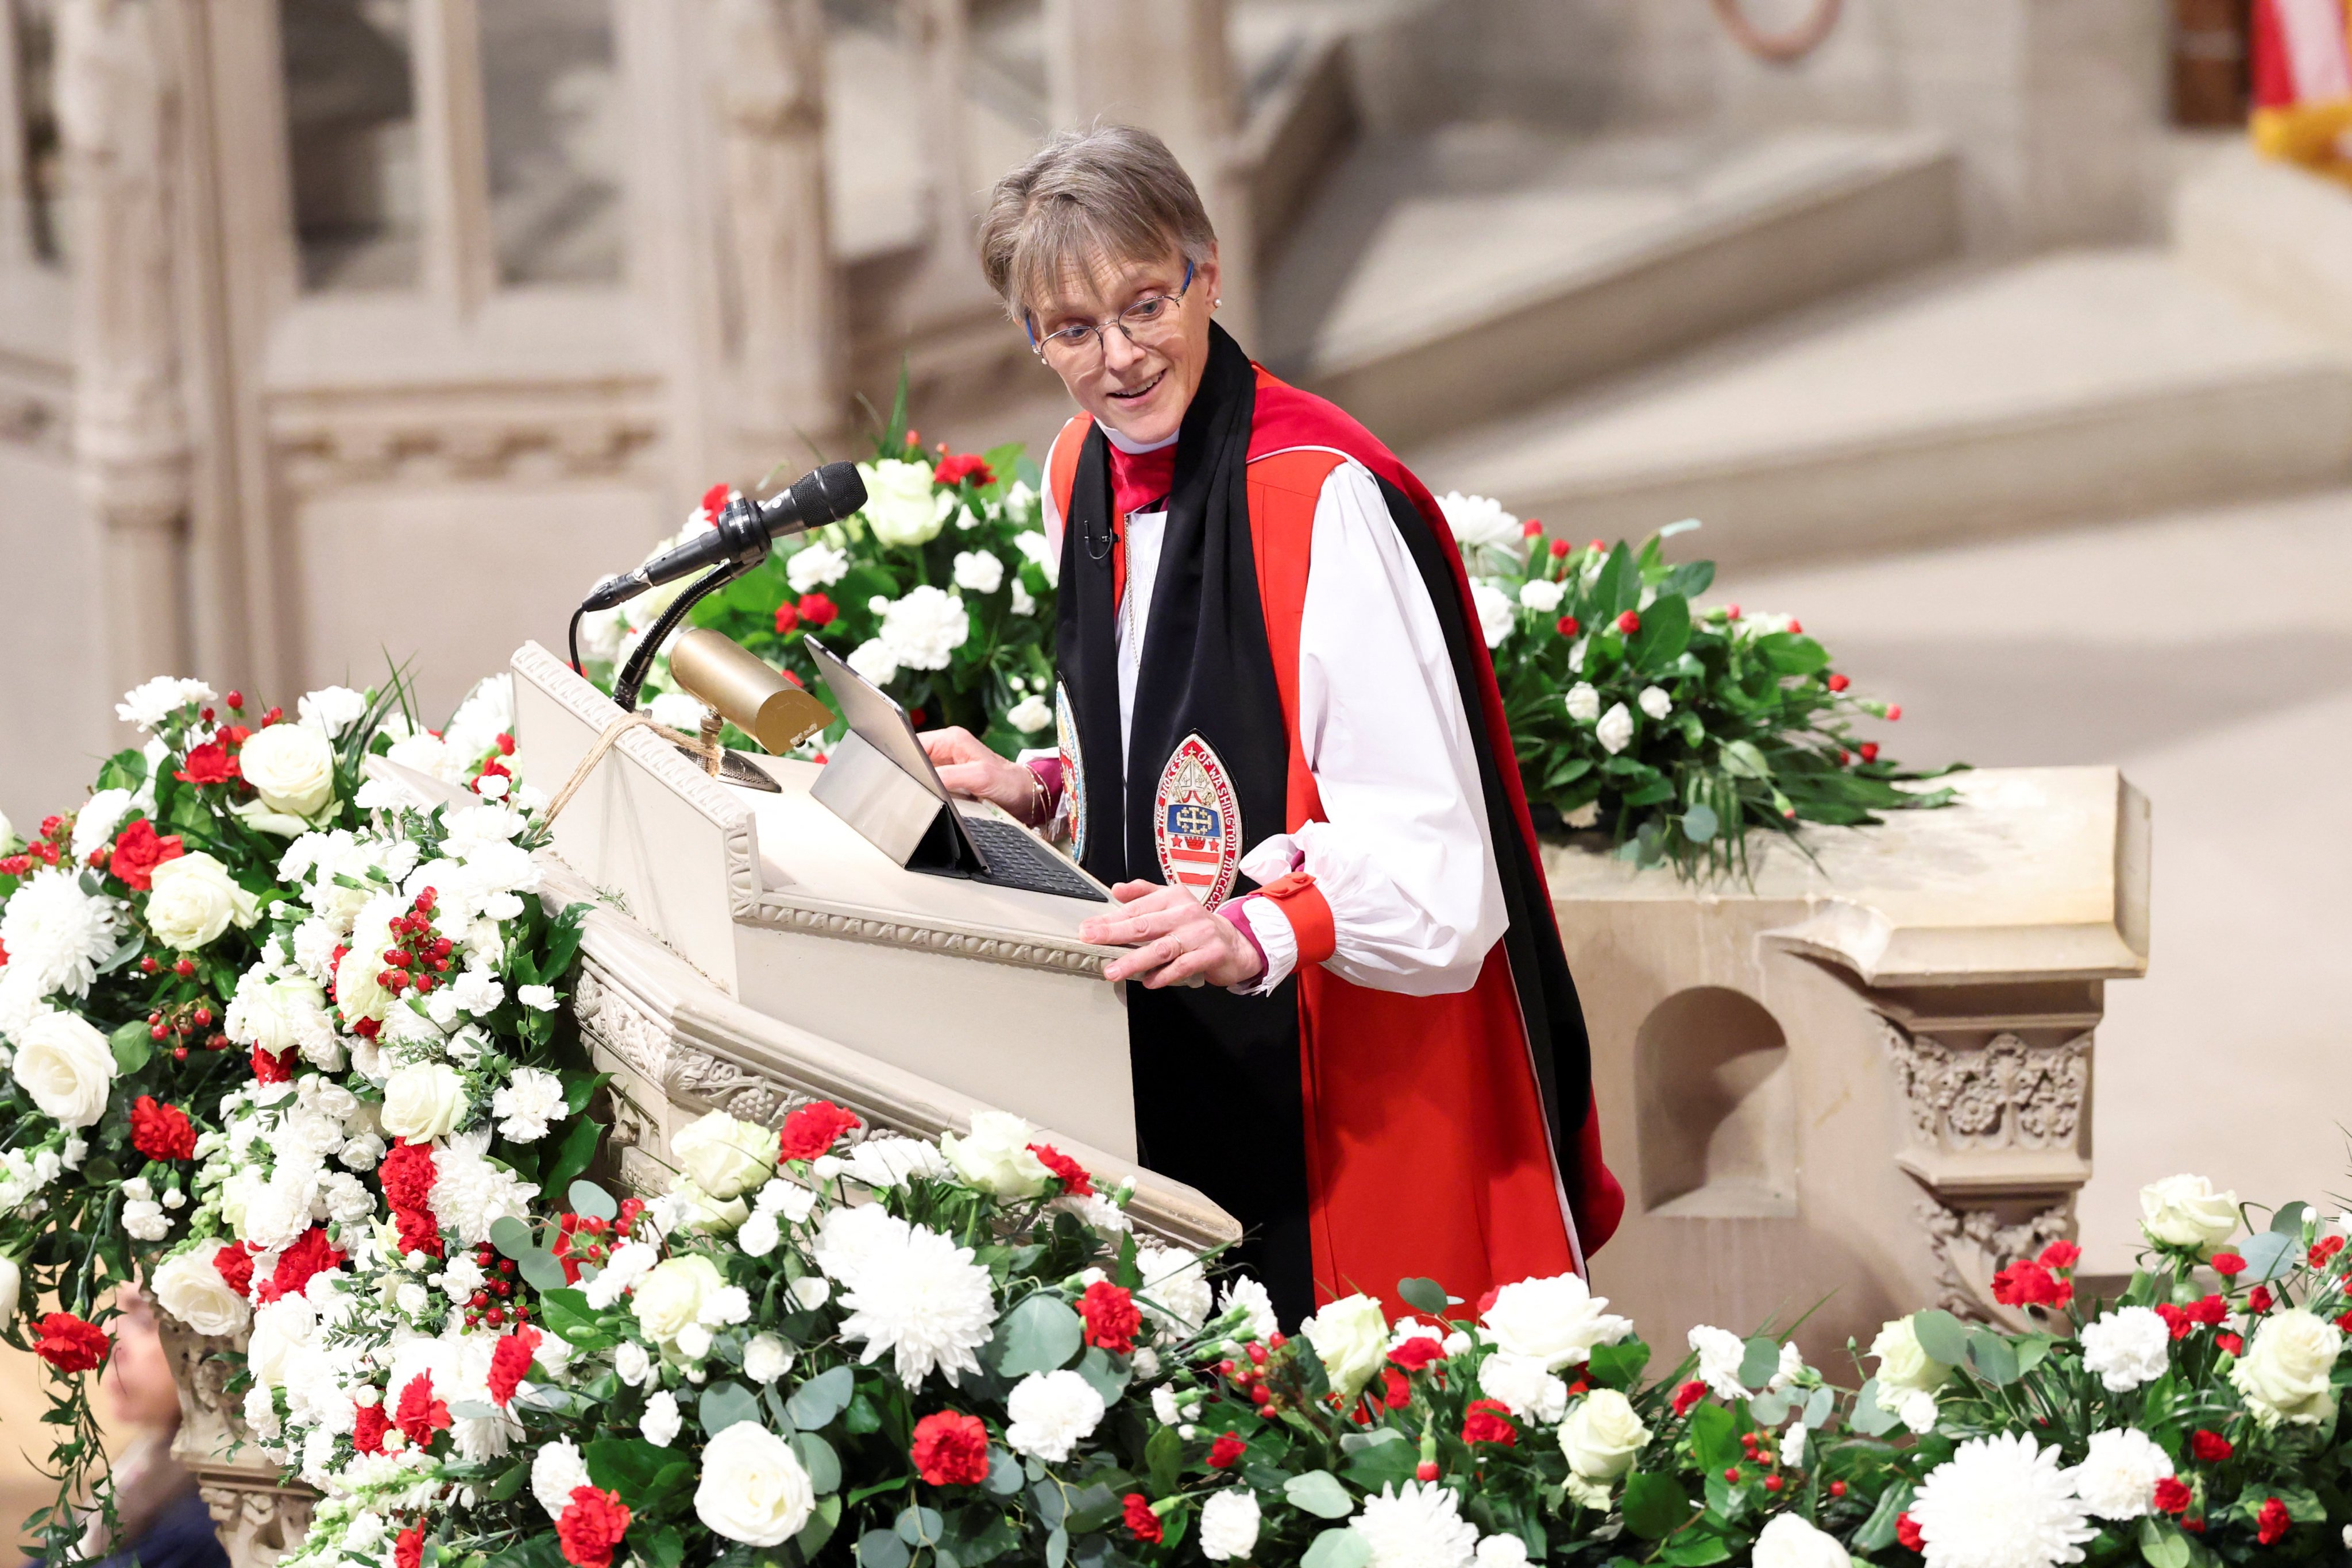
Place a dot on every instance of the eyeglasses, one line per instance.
(1147, 323)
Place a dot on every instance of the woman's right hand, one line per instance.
(968, 767)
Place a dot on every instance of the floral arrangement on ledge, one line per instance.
(827, 1344)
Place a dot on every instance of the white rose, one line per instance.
(1228, 1522)
(291, 767)
(994, 1157)
(902, 506)
(66, 1066)
(1031, 714)
(1583, 703)
(753, 1488)
(1788, 1541)
(191, 1289)
(1903, 1366)
(980, 571)
(278, 1014)
(1615, 730)
(815, 567)
(1601, 1436)
(725, 1156)
(1541, 594)
(424, 1101)
(1352, 1338)
(194, 900)
(1655, 702)
(1556, 1322)
(2184, 1211)
(766, 1359)
(672, 1295)
(2285, 1374)
(1497, 614)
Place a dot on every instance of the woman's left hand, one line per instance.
(1175, 939)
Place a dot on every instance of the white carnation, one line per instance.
(1031, 714)
(1229, 1524)
(1497, 614)
(979, 571)
(1788, 1541)
(923, 629)
(1655, 702)
(886, 1162)
(528, 1104)
(1541, 594)
(660, 1423)
(2126, 1347)
(1050, 1414)
(1479, 522)
(1524, 1385)
(556, 1471)
(815, 567)
(332, 709)
(1615, 730)
(873, 660)
(150, 703)
(94, 825)
(1720, 1351)
(2116, 1480)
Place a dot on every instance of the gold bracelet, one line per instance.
(1037, 794)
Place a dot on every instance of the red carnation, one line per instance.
(1560, 547)
(2323, 1251)
(1839, 683)
(786, 618)
(235, 1264)
(1489, 1421)
(2059, 1255)
(1075, 1183)
(408, 1550)
(2230, 1343)
(70, 1343)
(268, 1069)
(1417, 1352)
(2174, 1318)
(367, 1433)
(1628, 622)
(1531, 529)
(593, 1524)
(1395, 1392)
(951, 1450)
(1112, 1321)
(2273, 1522)
(2260, 1299)
(2172, 1495)
(819, 611)
(162, 1132)
(209, 763)
(1226, 1452)
(2212, 1311)
(1687, 1395)
(813, 1128)
(138, 850)
(1569, 626)
(1870, 750)
(714, 500)
(955, 470)
(2209, 1448)
(1906, 1530)
(419, 1415)
(1141, 1523)
(509, 1359)
(2229, 1265)
(2028, 1284)
(311, 1253)
(407, 1174)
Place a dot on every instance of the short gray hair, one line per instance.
(1106, 194)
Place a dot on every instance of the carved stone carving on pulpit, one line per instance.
(769, 57)
(119, 109)
(257, 1518)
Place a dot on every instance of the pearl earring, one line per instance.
(1217, 303)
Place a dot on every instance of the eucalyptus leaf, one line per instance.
(511, 1237)
(882, 1549)
(724, 1404)
(2291, 1218)
(1423, 1296)
(1320, 1494)
(2270, 1254)
(919, 1526)
(1760, 1361)
(1941, 1336)
(1700, 823)
(1871, 1418)
(1340, 1548)
(1041, 1334)
(591, 1201)
(821, 1398)
(816, 1457)
(542, 1270)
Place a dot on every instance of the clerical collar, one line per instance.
(1136, 448)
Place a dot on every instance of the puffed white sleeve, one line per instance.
(1403, 861)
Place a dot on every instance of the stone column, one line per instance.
(1166, 66)
(258, 1519)
(119, 105)
(787, 301)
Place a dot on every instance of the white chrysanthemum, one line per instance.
(1479, 522)
(1050, 1414)
(151, 703)
(925, 1301)
(1257, 1308)
(849, 1238)
(526, 1103)
(2116, 1480)
(1229, 1525)
(2001, 1502)
(557, 1470)
(94, 823)
(55, 933)
(1502, 1551)
(2126, 1347)
(923, 629)
(1720, 1351)
(1420, 1527)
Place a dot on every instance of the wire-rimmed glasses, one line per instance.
(1149, 322)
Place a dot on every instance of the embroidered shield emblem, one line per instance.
(1196, 823)
(1069, 824)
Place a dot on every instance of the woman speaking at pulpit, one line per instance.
(1280, 741)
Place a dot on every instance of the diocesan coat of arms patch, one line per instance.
(1196, 823)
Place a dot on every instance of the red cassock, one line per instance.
(1442, 1137)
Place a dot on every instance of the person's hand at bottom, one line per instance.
(1174, 939)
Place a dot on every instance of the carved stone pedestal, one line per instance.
(258, 1519)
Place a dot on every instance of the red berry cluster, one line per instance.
(1765, 1455)
(491, 1304)
(46, 850)
(182, 1023)
(417, 958)
(1248, 1374)
(585, 1239)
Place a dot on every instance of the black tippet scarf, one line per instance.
(1218, 1103)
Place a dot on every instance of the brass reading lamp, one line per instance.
(735, 685)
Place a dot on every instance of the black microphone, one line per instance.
(743, 534)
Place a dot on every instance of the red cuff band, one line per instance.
(1309, 915)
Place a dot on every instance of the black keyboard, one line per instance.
(1017, 861)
